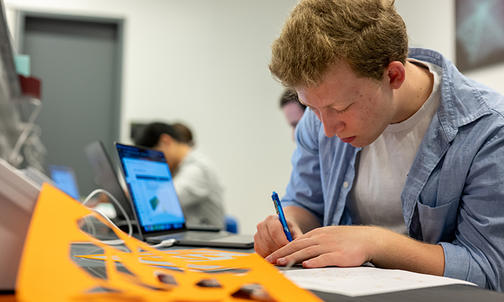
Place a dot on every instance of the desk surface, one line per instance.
(456, 292)
(459, 293)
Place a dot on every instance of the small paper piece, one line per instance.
(361, 281)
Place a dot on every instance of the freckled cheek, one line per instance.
(369, 112)
(361, 120)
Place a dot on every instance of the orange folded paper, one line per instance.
(51, 271)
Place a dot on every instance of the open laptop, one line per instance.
(156, 205)
(105, 177)
(64, 178)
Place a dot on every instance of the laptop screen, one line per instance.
(64, 179)
(150, 183)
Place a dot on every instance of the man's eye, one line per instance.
(341, 111)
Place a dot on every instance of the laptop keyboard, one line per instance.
(202, 235)
(192, 235)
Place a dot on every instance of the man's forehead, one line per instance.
(316, 97)
(340, 85)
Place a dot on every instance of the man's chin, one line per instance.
(357, 142)
(354, 141)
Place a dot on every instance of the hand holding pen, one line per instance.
(281, 216)
(271, 235)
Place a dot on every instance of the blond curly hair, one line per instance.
(367, 34)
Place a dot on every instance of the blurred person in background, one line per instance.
(185, 133)
(194, 177)
(292, 108)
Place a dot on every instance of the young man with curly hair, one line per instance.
(399, 157)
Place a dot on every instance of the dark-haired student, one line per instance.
(194, 177)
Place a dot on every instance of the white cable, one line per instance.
(165, 243)
(130, 227)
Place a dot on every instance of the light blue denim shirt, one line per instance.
(454, 192)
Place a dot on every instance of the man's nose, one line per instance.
(332, 125)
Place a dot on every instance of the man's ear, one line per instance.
(396, 74)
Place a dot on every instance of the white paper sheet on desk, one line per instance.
(361, 281)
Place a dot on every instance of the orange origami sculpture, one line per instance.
(51, 271)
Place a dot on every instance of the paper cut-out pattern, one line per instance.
(52, 270)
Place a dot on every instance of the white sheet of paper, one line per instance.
(361, 281)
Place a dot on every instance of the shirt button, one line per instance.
(345, 184)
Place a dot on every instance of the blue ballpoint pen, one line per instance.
(281, 216)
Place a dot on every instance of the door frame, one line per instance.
(19, 30)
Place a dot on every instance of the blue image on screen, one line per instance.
(64, 179)
(151, 187)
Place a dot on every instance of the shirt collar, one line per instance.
(461, 102)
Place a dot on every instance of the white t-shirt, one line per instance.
(384, 165)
